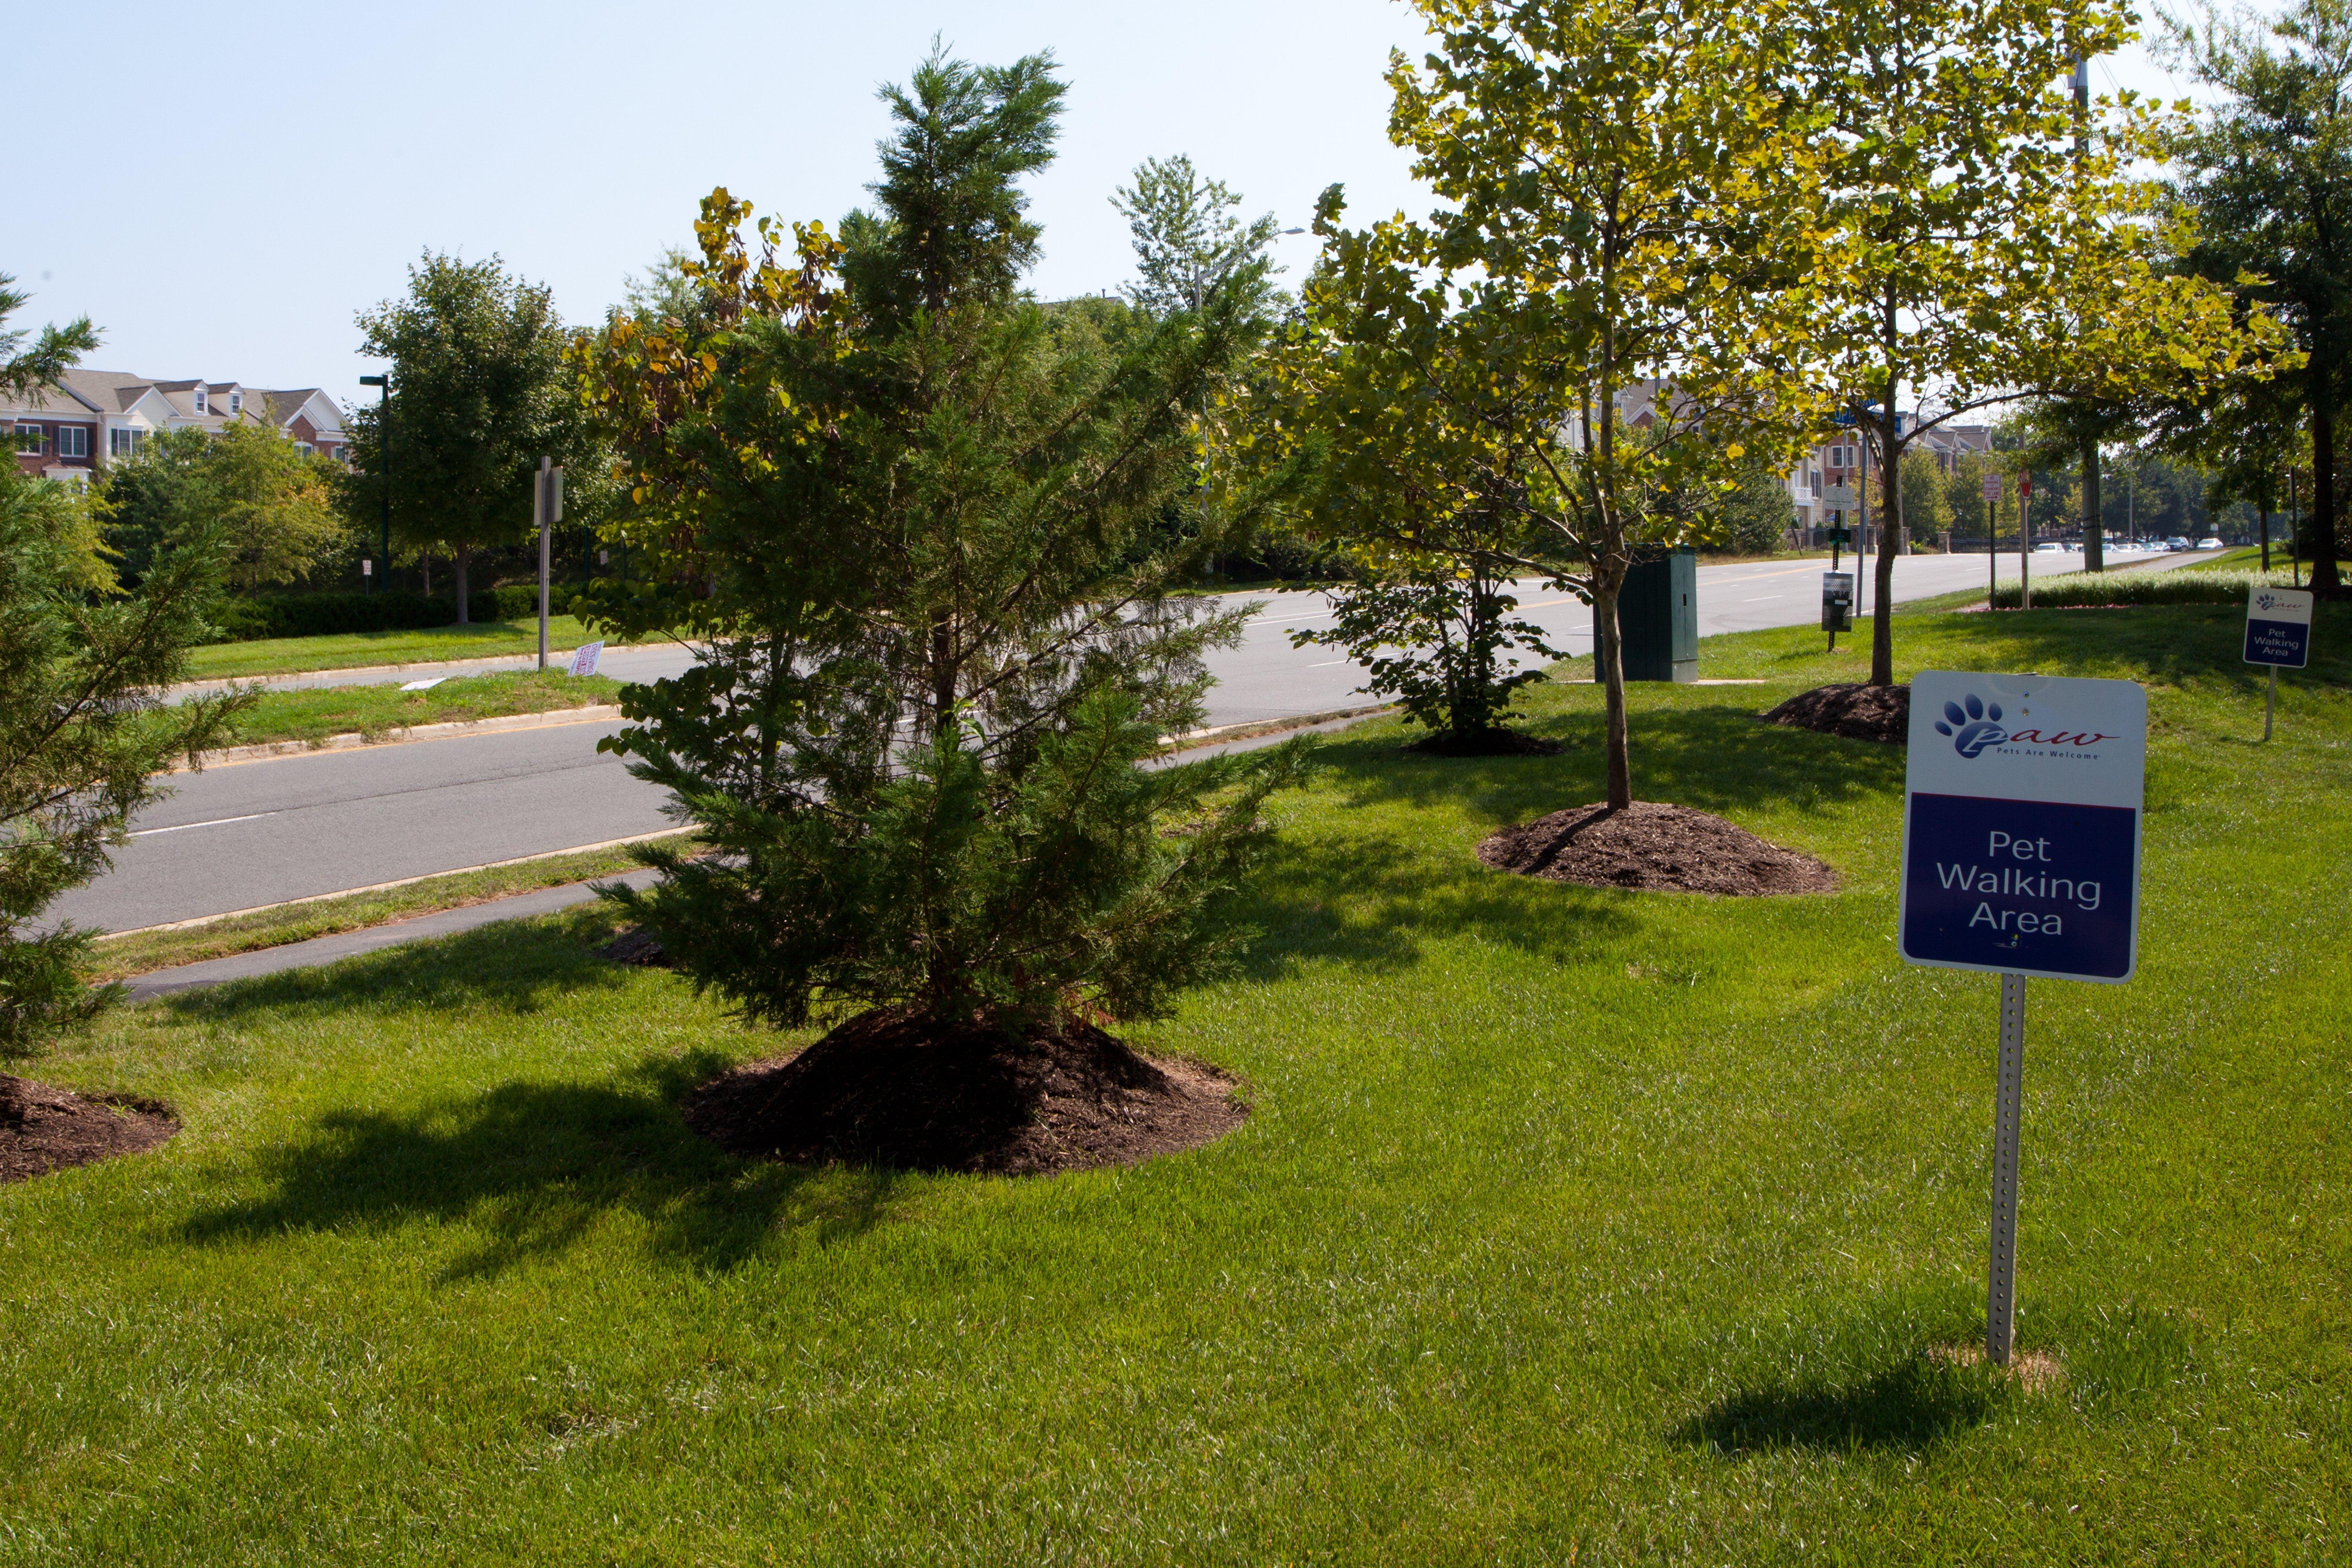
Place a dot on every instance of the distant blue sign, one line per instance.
(2278, 626)
(2021, 838)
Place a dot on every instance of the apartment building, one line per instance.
(70, 429)
(1838, 461)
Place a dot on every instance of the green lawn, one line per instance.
(1568, 1226)
(355, 650)
(314, 715)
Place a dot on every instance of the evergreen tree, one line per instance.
(915, 520)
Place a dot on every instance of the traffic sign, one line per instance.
(2020, 826)
(2025, 484)
(1838, 498)
(584, 658)
(1993, 487)
(2278, 626)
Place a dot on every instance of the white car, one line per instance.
(2050, 547)
(2209, 543)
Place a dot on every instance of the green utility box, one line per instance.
(1657, 618)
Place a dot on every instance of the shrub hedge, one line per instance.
(328, 615)
(2093, 590)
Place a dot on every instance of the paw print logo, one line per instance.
(2266, 601)
(1972, 729)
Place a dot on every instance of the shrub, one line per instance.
(2094, 590)
(330, 614)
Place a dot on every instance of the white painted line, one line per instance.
(1328, 663)
(423, 684)
(215, 822)
(1761, 597)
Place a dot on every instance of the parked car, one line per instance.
(2050, 547)
(2176, 544)
(2209, 542)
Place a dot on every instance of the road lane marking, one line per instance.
(1328, 663)
(215, 822)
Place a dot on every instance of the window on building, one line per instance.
(28, 439)
(200, 401)
(237, 402)
(73, 441)
(122, 443)
(303, 448)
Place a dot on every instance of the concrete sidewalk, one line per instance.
(370, 939)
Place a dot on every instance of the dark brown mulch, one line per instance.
(1668, 848)
(637, 946)
(890, 1087)
(1857, 712)
(1482, 743)
(44, 1129)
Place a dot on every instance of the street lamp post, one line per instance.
(382, 384)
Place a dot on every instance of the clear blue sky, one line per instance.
(225, 186)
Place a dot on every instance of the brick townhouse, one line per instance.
(73, 427)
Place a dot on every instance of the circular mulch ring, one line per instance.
(1482, 743)
(44, 1129)
(1654, 847)
(1857, 712)
(891, 1088)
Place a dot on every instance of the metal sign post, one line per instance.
(2020, 856)
(2278, 633)
(2024, 542)
(547, 503)
(1992, 537)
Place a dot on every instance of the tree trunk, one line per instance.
(2094, 528)
(2324, 575)
(464, 553)
(2265, 513)
(1609, 665)
(1890, 532)
(424, 565)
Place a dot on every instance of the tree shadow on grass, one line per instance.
(518, 967)
(1712, 756)
(1372, 901)
(538, 1166)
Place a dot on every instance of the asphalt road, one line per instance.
(255, 833)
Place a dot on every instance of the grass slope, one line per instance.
(1568, 1226)
(355, 650)
(373, 710)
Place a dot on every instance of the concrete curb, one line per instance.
(355, 741)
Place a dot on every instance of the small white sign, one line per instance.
(1993, 487)
(1838, 497)
(423, 684)
(584, 658)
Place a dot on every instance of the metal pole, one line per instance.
(1992, 552)
(2024, 550)
(2270, 704)
(538, 506)
(2000, 1283)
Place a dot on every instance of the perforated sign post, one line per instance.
(2021, 857)
(2278, 633)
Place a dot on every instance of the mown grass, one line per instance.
(139, 953)
(355, 650)
(377, 710)
(1568, 1226)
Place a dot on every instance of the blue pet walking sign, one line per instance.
(2278, 633)
(2021, 857)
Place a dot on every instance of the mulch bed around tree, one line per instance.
(44, 1129)
(1857, 712)
(1482, 743)
(636, 946)
(890, 1087)
(1665, 848)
